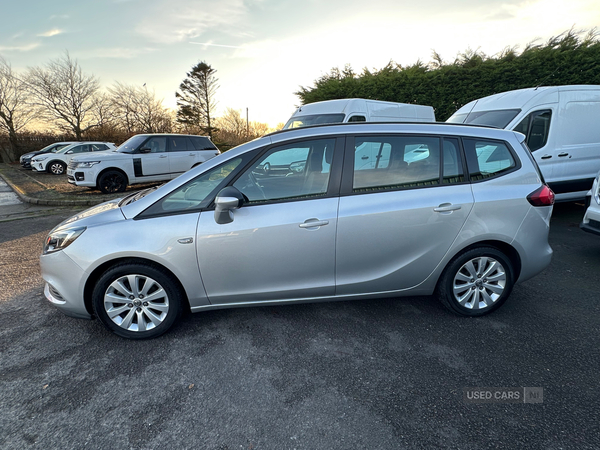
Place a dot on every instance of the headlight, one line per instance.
(39, 158)
(86, 164)
(61, 239)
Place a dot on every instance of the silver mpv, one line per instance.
(334, 212)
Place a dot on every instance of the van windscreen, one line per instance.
(495, 118)
(313, 119)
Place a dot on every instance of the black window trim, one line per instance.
(347, 187)
(532, 115)
(335, 173)
(511, 150)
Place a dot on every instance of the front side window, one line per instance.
(535, 127)
(81, 149)
(393, 162)
(195, 193)
(156, 144)
(293, 171)
(486, 159)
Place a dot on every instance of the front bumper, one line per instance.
(81, 177)
(65, 282)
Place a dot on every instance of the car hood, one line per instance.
(96, 215)
(105, 155)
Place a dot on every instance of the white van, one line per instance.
(562, 129)
(358, 110)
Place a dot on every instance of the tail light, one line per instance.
(541, 197)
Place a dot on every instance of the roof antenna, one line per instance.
(552, 74)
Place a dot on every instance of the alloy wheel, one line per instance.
(479, 283)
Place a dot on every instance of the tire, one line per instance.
(476, 282)
(137, 301)
(56, 167)
(112, 182)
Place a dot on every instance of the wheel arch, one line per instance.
(99, 271)
(112, 169)
(511, 253)
(49, 163)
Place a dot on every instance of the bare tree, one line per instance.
(16, 110)
(196, 98)
(66, 94)
(138, 110)
(232, 128)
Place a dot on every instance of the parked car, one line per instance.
(141, 159)
(466, 222)
(561, 128)
(591, 219)
(25, 159)
(56, 163)
(358, 110)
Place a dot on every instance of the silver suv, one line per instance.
(331, 212)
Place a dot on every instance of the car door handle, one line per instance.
(162, 156)
(447, 207)
(546, 157)
(365, 157)
(313, 223)
(563, 154)
(192, 154)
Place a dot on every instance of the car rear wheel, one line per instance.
(476, 282)
(137, 301)
(112, 182)
(56, 167)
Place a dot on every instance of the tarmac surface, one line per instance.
(380, 374)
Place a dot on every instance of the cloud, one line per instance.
(50, 33)
(164, 24)
(20, 48)
(118, 52)
(210, 44)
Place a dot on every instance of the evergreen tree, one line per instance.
(196, 99)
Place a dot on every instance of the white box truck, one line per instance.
(561, 125)
(358, 110)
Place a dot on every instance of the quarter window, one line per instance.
(395, 162)
(487, 158)
(292, 171)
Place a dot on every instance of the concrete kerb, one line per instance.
(46, 202)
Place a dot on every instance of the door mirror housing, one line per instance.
(226, 201)
(145, 150)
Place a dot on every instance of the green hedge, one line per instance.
(570, 58)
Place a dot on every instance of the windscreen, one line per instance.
(499, 118)
(313, 119)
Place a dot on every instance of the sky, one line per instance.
(265, 50)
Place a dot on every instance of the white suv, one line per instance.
(141, 159)
(56, 163)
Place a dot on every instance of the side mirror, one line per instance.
(145, 150)
(69, 152)
(227, 200)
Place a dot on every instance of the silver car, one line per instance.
(298, 216)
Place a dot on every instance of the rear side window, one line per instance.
(179, 144)
(394, 162)
(487, 158)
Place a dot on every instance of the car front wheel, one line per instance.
(137, 301)
(112, 182)
(57, 167)
(476, 282)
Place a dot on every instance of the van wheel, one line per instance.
(111, 182)
(56, 167)
(476, 282)
(137, 301)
